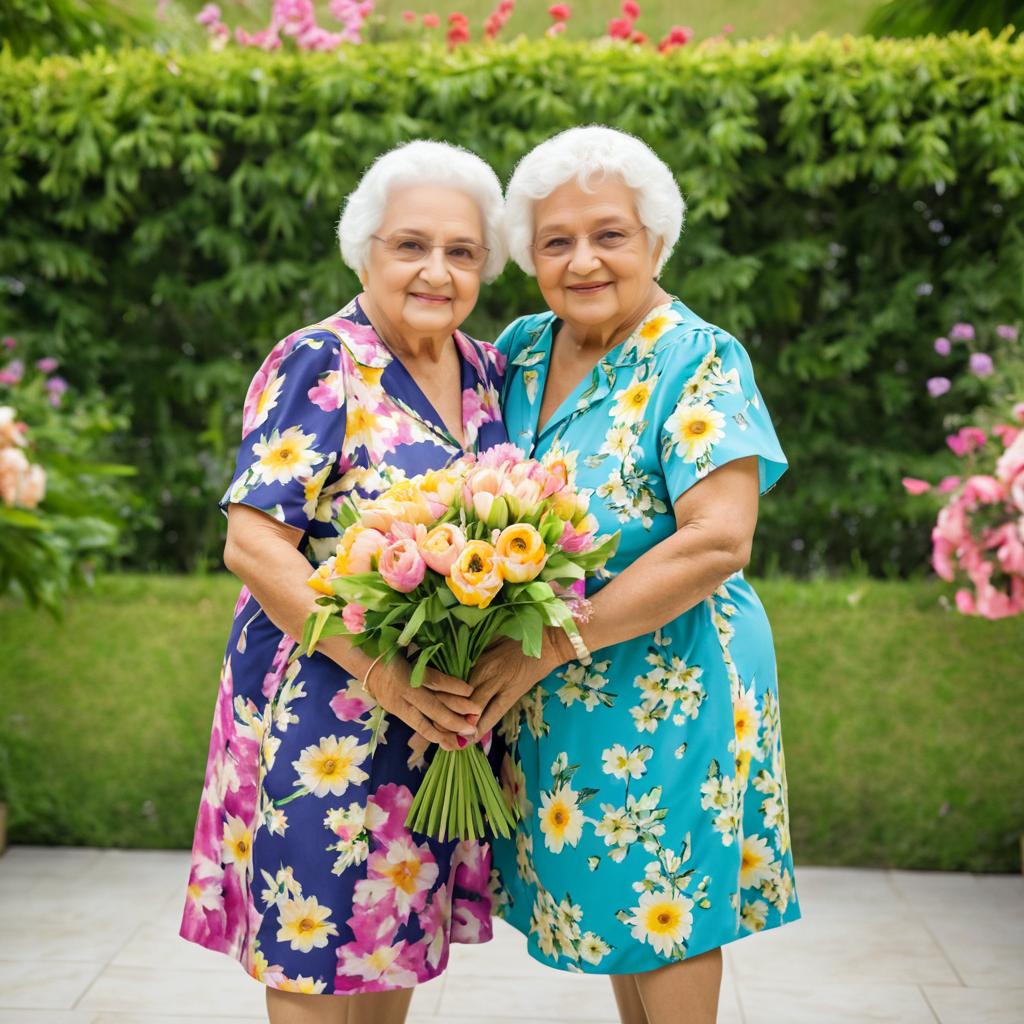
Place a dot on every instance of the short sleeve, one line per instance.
(507, 342)
(712, 413)
(292, 432)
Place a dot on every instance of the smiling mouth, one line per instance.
(436, 300)
(589, 289)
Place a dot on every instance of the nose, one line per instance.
(435, 270)
(584, 257)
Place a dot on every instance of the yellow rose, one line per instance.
(475, 577)
(521, 553)
(320, 581)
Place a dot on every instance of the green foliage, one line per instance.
(882, 723)
(48, 550)
(919, 17)
(71, 26)
(167, 220)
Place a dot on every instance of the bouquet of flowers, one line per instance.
(441, 564)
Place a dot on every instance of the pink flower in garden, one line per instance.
(402, 566)
(967, 440)
(962, 332)
(639, 38)
(938, 386)
(965, 602)
(728, 28)
(1018, 412)
(560, 12)
(943, 346)
(1005, 433)
(631, 9)
(458, 29)
(948, 484)
(47, 365)
(984, 489)
(620, 28)
(409, 17)
(981, 364)
(678, 35)
(354, 617)
(914, 486)
(1007, 332)
(431, 20)
(10, 342)
(12, 372)
(209, 15)
(557, 29)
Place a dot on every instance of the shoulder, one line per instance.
(521, 334)
(691, 344)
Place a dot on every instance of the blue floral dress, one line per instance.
(652, 782)
(302, 867)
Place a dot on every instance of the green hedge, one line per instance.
(167, 219)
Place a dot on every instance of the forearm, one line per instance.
(276, 575)
(658, 587)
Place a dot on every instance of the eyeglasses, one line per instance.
(413, 249)
(603, 240)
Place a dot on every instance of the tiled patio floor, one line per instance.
(90, 937)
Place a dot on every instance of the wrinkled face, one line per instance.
(419, 279)
(595, 265)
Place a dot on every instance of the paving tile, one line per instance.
(43, 986)
(813, 1003)
(986, 951)
(853, 892)
(107, 1017)
(45, 1017)
(53, 863)
(564, 997)
(153, 945)
(191, 993)
(426, 999)
(882, 949)
(976, 1005)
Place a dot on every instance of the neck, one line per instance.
(607, 335)
(408, 345)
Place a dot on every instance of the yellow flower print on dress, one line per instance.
(285, 457)
(237, 846)
(631, 402)
(662, 919)
(694, 430)
(332, 765)
(757, 863)
(561, 820)
(304, 923)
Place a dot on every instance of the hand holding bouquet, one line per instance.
(440, 565)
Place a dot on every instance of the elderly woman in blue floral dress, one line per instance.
(647, 763)
(302, 866)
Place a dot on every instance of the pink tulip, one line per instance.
(576, 539)
(914, 486)
(441, 546)
(357, 549)
(482, 504)
(354, 617)
(402, 566)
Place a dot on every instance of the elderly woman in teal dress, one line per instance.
(647, 762)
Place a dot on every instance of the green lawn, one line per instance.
(750, 18)
(903, 722)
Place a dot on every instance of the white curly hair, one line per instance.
(590, 154)
(418, 163)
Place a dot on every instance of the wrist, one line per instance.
(557, 650)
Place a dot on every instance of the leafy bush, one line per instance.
(71, 26)
(61, 509)
(166, 220)
(919, 17)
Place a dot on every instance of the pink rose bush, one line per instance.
(492, 545)
(59, 502)
(978, 538)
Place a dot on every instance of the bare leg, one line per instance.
(627, 998)
(294, 1008)
(684, 992)
(371, 1008)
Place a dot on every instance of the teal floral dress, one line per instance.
(651, 782)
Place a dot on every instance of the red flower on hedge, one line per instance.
(620, 28)
(431, 21)
(631, 10)
(458, 29)
(560, 12)
(678, 35)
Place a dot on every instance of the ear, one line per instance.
(656, 255)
